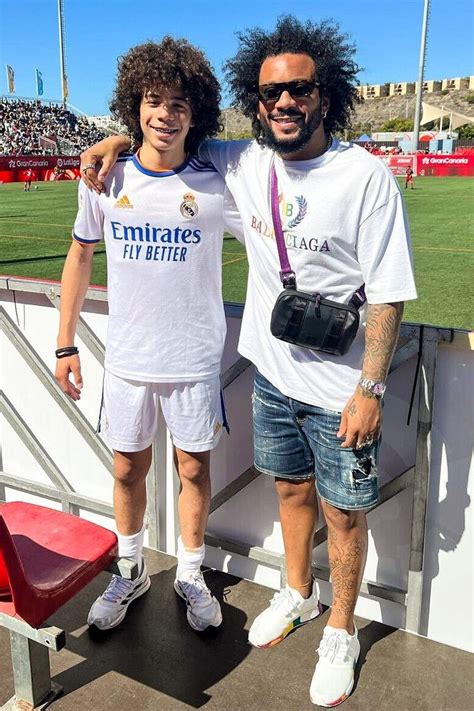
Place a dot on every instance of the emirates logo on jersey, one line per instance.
(123, 202)
(189, 207)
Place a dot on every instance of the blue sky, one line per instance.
(386, 32)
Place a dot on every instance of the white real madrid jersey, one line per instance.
(163, 235)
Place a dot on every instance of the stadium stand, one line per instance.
(33, 127)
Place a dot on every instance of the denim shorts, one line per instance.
(294, 440)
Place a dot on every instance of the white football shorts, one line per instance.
(194, 413)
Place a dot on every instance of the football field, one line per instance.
(35, 231)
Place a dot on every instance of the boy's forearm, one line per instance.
(74, 282)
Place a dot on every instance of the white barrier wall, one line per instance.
(251, 516)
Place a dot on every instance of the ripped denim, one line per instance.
(294, 440)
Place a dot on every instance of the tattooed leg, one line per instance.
(347, 549)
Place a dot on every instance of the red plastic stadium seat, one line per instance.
(49, 556)
(4, 584)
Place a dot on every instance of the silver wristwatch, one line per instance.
(376, 388)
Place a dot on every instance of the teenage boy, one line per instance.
(161, 217)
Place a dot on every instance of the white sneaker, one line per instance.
(111, 607)
(333, 677)
(288, 610)
(202, 607)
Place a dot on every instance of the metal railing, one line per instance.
(414, 339)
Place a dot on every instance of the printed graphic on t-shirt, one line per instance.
(292, 213)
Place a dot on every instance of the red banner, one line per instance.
(13, 169)
(443, 165)
(431, 164)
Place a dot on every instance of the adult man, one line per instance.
(315, 415)
(166, 325)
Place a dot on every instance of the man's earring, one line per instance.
(325, 114)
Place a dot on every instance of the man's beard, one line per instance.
(291, 145)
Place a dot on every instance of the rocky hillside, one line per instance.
(375, 112)
(371, 113)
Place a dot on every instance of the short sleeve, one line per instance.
(232, 220)
(89, 224)
(224, 155)
(385, 254)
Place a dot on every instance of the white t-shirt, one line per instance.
(163, 236)
(344, 223)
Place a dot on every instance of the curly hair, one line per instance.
(324, 43)
(172, 63)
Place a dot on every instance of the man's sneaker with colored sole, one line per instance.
(110, 608)
(333, 678)
(287, 611)
(203, 610)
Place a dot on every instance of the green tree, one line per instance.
(466, 131)
(397, 124)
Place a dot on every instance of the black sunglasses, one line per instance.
(296, 89)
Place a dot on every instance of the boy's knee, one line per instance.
(193, 471)
(131, 467)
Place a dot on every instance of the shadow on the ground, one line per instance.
(154, 645)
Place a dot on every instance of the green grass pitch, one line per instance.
(35, 230)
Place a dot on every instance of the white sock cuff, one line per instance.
(191, 556)
(131, 546)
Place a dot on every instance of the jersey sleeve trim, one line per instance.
(201, 166)
(84, 241)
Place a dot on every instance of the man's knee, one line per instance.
(343, 520)
(296, 492)
(131, 467)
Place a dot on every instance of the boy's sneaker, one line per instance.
(288, 610)
(333, 677)
(111, 607)
(202, 607)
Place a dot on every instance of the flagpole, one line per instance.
(419, 93)
(62, 55)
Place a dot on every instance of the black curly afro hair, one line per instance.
(330, 49)
(172, 63)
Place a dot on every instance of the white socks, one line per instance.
(132, 546)
(189, 561)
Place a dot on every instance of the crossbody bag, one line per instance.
(309, 320)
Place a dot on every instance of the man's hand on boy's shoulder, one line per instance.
(97, 161)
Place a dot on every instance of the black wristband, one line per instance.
(66, 352)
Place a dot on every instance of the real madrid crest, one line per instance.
(189, 207)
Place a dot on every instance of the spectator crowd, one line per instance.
(33, 127)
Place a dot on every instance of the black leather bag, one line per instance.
(309, 320)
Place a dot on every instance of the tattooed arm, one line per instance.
(362, 416)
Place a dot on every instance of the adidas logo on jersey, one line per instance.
(123, 202)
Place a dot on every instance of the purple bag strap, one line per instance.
(287, 275)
